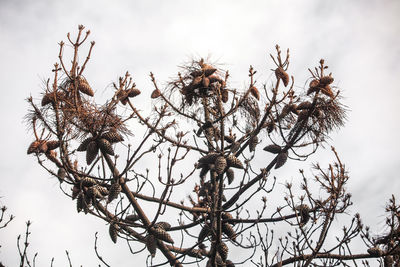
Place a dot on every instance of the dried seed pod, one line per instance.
(280, 73)
(209, 158)
(227, 216)
(113, 231)
(75, 191)
(103, 191)
(326, 80)
(93, 192)
(47, 99)
(205, 82)
(81, 203)
(84, 86)
(229, 263)
(132, 218)
(285, 111)
(304, 213)
(234, 162)
(197, 82)
(208, 70)
(375, 251)
(87, 181)
(327, 90)
(204, 171)
(220, 164)
(281, 159)
(61, 173)
(91, 152)
(224, 95)
(115, 189)
(230, 175)
(133, 92)
(312, 90)
(43, 146)
(228, 230)
(156, 93)
(105, 146)
(253, 143)
(388, 261)
(235, 147)
(304, 105)
(303, 115)
(33, 147)
(52, 144)
(275, 149)
(112, 137)
(83, 146)
(163, 225)
(254, 92)
(223, 250)
(161, 234)
(229, 138)
(205, 231)
(270, 126)
(151, 244)
(215, 78)
(314, 83)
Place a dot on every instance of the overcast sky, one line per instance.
(359, 40)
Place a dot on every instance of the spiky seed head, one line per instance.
(223, 250)
(254, 92)
(280, 73)
(52, 144)
(61, 173)
(253, 143)
(230, 174)
(234, 162)
(113, 231)
(220, 164)
(225, 95)
(161, 234)
(156, 93)
(33, 147)
(375, 251)
(84, 86)
(209, 158)
(151, 245)
(105, 146)
(113, 137)
(304, 105)
(326, 80)
(83, 146)
(115, 189)
(91, 152)
(132, 218)
(87, 181)
(133, 92)
(163, 225)
(275, 149)
(281, 159)
(228, 230)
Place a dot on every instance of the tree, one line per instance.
(208, 137)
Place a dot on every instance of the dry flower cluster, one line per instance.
(89, 147)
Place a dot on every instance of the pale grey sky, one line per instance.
(359, 40)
